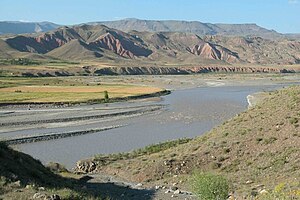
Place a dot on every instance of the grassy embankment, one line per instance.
(65, 90)
(258, 149)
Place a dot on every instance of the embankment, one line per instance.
(189, 70)
(140, 70)
(54, 136)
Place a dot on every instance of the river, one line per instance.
(184, 113)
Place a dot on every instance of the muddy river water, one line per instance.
(183, 113)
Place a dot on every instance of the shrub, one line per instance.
(106, 98)
(293, 120)
(209, 186)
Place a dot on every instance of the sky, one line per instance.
(280, 15)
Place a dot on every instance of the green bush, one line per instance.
(106, 97)
(209, 186)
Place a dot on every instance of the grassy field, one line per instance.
(49, 90)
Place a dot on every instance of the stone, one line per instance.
(249, 182)
(17, 183)
(54, 197)
(139, 185)
(41, 189)
(168, 191)
(263, 192)
(85, 166)
(39, 196)
(177, 192)
(230, 197)
(30, 186)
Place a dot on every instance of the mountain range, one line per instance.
(156, 41)
(196, 27)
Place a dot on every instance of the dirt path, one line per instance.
(117, 188)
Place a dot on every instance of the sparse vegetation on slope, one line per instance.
(256, 150)
(148, 150)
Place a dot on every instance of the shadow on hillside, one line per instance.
(18, 166)
(118, 192)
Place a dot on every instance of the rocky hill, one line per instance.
(100, 43)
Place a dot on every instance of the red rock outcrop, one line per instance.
(121, 46)
(209, 51)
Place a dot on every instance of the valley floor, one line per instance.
(169, 168)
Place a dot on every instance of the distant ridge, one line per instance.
(196, 27)
(16, 27)
(126, 25)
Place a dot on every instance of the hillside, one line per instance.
(258, 149)
(259, 50)
(21, 177)
(102, 44)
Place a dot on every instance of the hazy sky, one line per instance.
(280, 15)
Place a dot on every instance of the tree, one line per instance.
(106, 97)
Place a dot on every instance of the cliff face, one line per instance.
(188, 70)
(89, 70)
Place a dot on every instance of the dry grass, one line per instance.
(59, 90)
(126, 89)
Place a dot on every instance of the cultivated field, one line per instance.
(54, 90)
